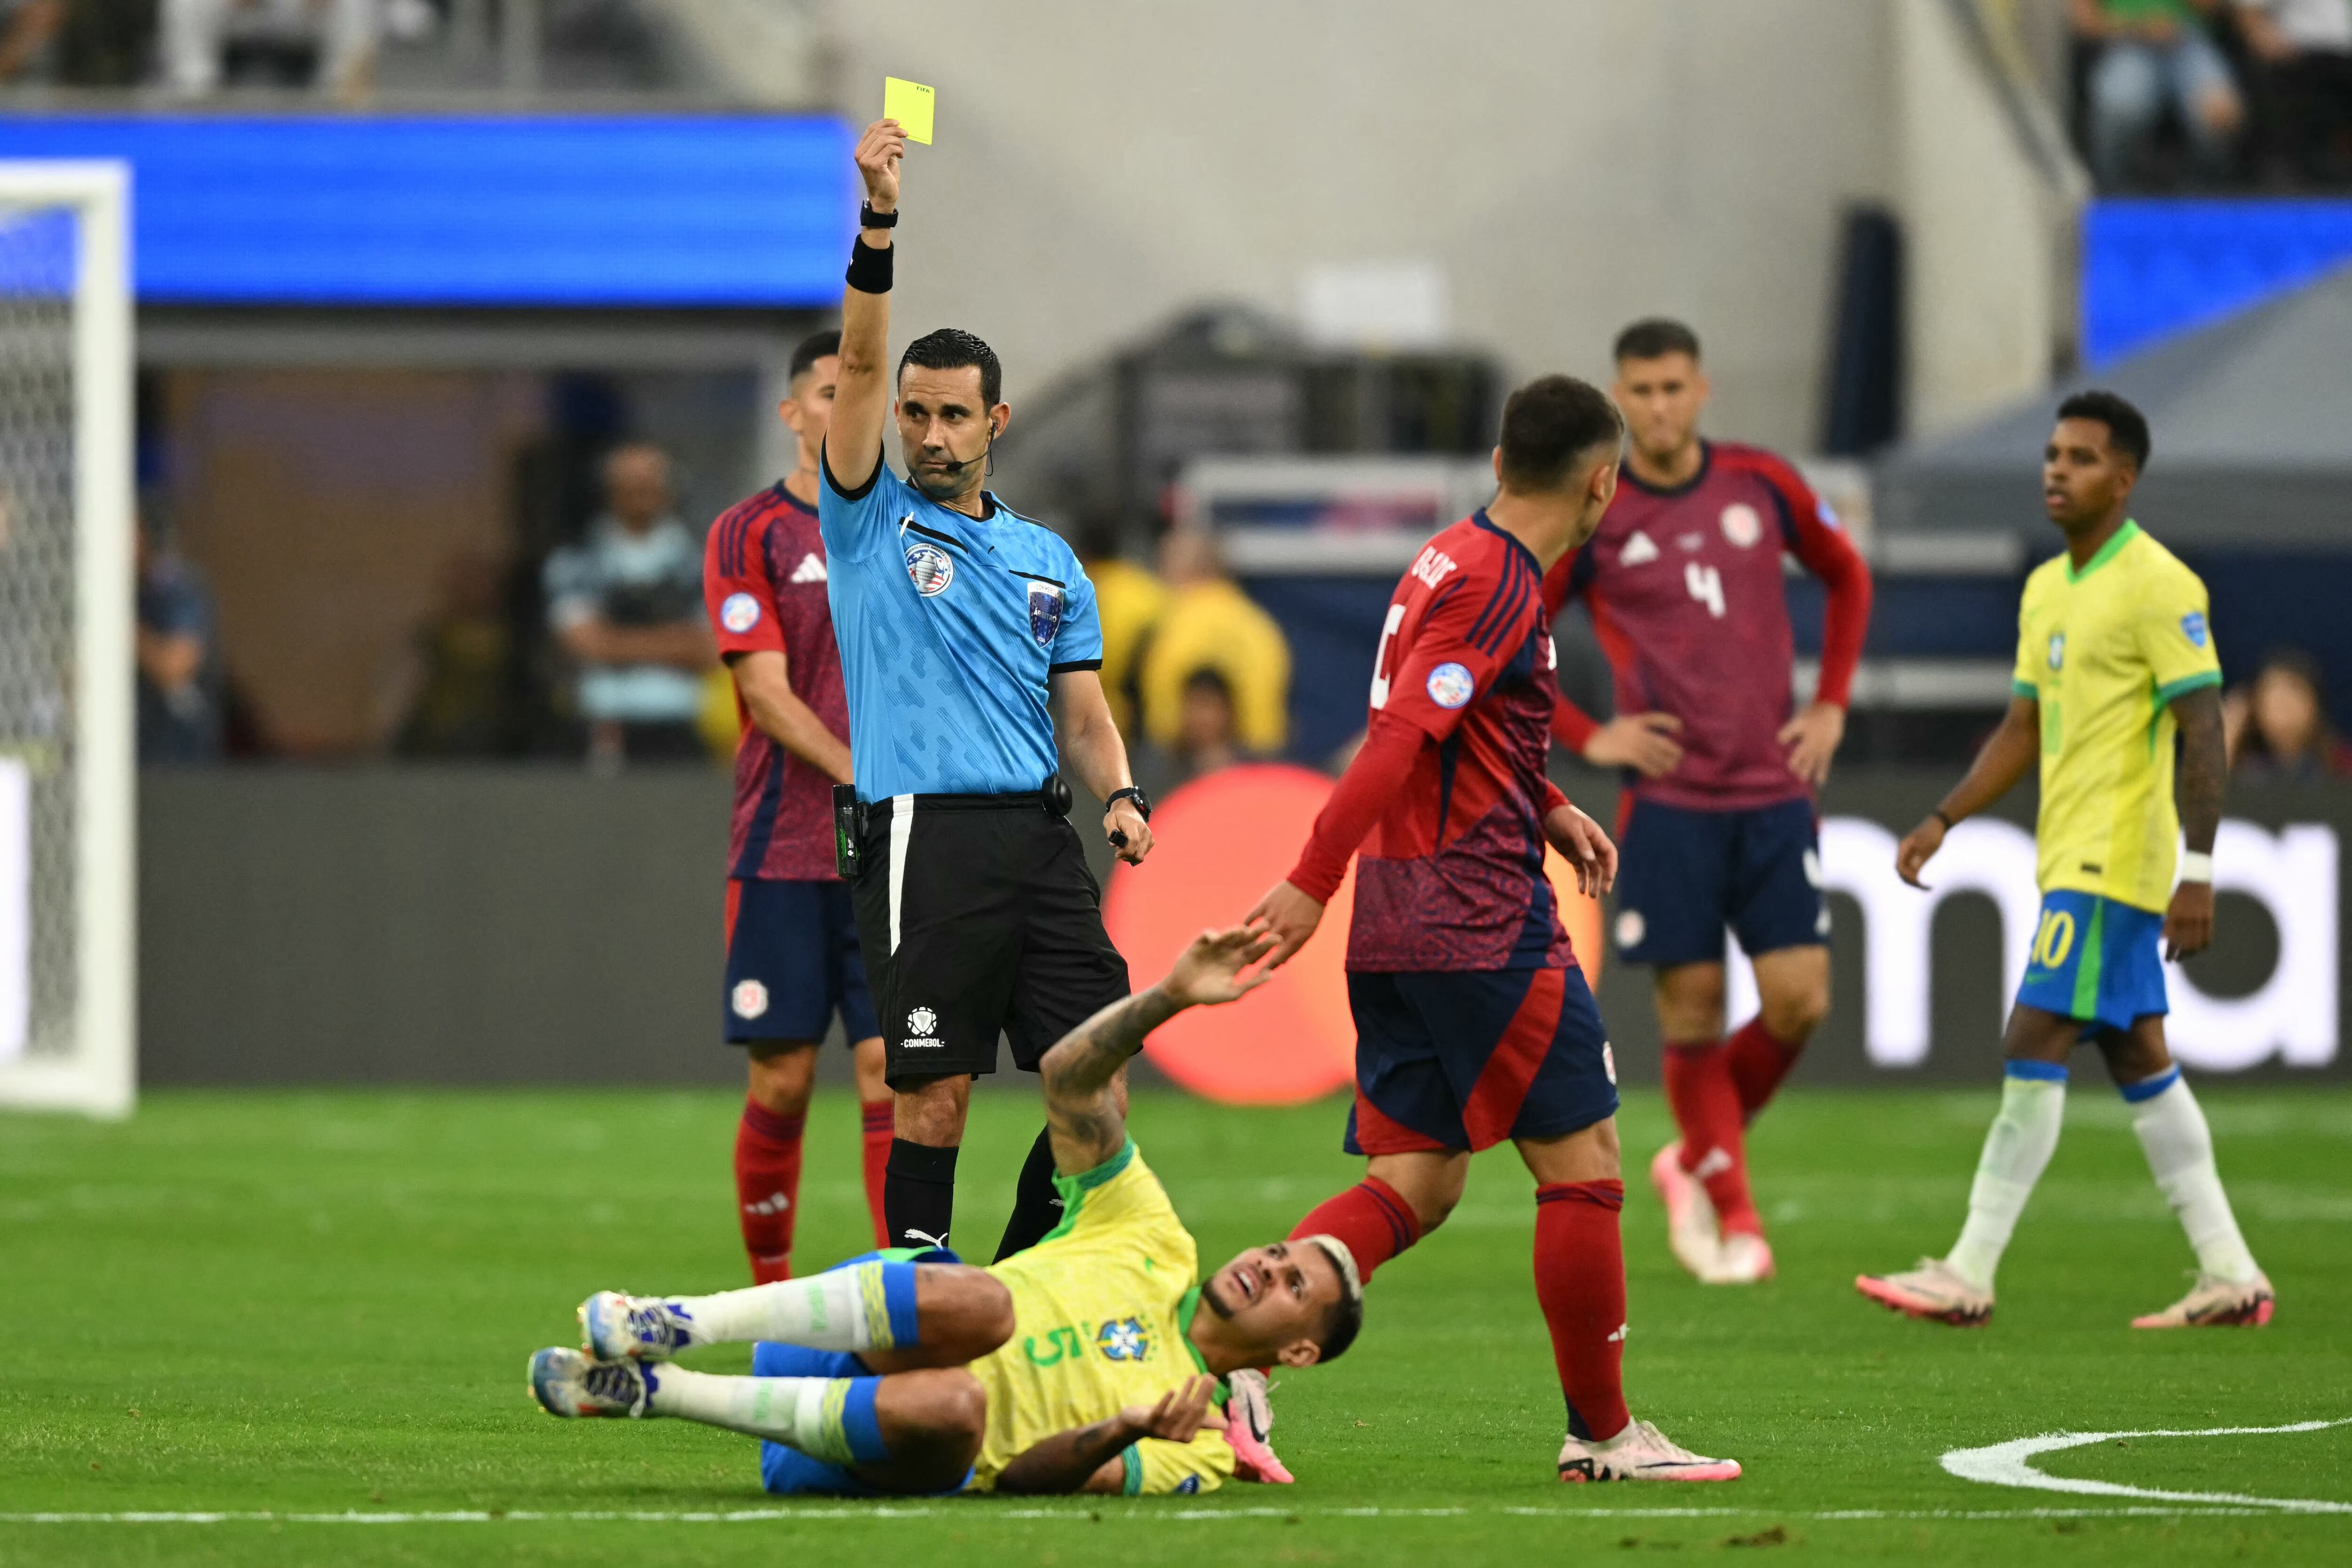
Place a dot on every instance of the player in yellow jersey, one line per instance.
(1089, 1362)
(2115, 661)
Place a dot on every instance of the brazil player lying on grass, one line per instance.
(1085, 1363)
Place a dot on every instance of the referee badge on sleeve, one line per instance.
(1045, 613)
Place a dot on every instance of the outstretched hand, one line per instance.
(1215, 968)
(878, 154)
(1292, 916)
(1181, 1414)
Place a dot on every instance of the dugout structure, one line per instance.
(67, 923)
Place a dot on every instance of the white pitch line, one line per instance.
(2010, 1465)
(971, 1513)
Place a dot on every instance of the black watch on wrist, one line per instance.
(868, 218)
(1134, 792)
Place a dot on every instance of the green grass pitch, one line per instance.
(305, 1304)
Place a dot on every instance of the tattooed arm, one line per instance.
(1081, 1106)
(2204, 767)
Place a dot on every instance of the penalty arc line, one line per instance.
(2011, 1464)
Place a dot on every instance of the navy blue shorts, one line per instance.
(792, 962)
(1464, 1060)
(1686, 875)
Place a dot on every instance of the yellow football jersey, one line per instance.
(2104, 651)
(1099, 1311)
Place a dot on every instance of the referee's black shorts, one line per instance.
(977, 914)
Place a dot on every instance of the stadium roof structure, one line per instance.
(2253, 426)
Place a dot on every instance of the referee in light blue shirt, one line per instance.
(970, 646)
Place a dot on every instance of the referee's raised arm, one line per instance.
(861, 399)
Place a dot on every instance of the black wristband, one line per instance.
(869, 269)
(868, 218)
(1939, 814)
(1135, 793)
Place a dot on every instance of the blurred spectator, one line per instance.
(1210, 624)
(1130, 601)
(464, 702)
(28, 29)
(626, 603)
(2154, 55)
(2278, 728)
(2302, 52)
(330, 44)
(1205, 733)
(179, 673)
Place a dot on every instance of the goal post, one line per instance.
(68, 918)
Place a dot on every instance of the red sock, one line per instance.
(1371, 1217)
(1581, 1285)
(1759, 1062)
(878, 1114)
(768, 1188)
(1707, 1108)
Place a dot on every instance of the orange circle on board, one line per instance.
(1221, 841)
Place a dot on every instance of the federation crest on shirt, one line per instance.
(929, 568)
(2058, 650)
(1045, 612)
(1742, 526)
(1123, 1338)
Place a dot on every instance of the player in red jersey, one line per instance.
(1718, 825)
(1473, 1022)
(791, 945)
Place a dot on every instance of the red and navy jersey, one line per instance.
(1687, 598)
(1452, 877)
(764, 582)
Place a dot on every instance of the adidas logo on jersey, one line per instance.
(1637, 550)
(810, 569)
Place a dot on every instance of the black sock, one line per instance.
(1036, 1202)
(918, 1194)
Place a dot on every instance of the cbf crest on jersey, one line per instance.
(1045, 612)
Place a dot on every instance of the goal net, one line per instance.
(66, 917)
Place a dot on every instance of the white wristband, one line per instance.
(2196, 868)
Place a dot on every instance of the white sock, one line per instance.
(840, 1309)
(2016, 1151)
(802, 1412)
(2171, 1128)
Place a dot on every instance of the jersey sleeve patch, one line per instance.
(739, 614)
(2192, 626)
(1452, 685)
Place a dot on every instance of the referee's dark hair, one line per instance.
(2127, 426)
(1655, 337)
(1553, 425)
(812, 348)
(952, 348)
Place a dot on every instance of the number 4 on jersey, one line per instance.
(1705, 585)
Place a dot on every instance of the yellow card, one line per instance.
(910, 104)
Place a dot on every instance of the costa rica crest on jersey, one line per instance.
(1741, 525)
(1045, 612)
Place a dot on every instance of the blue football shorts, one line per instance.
(2095, 961)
